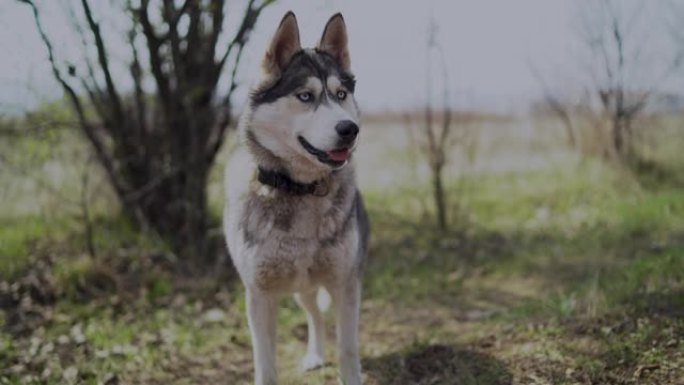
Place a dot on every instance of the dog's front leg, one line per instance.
(261, 314)
(314, 356)
(348, 298)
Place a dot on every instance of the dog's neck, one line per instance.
(279, 174)
(282, 182)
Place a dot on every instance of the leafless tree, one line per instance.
(437, 136)
(156, 143)
(620, 78)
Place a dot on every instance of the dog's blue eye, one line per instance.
(341, 95)
(305, 96)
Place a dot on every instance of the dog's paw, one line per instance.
(311, 361)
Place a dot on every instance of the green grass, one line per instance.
(22, 237)
(17, 236)
(570, 230)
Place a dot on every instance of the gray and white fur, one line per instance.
(302, 126)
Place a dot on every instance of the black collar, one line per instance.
(283, 182)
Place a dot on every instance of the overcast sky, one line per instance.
(489, 46)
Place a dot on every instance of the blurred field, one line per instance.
(558, 269)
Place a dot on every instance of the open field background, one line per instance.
(557, 269)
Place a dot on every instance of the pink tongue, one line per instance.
(338, 155)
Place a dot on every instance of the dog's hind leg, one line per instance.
(315, 352)
(261, 314)
(347, 300)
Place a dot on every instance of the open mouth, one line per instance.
(335, 158)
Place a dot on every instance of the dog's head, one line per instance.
(303, 111)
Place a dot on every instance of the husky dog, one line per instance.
(294, 220)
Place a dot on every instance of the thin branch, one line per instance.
(156, 61)
(119, 115)
(556, 106)
(173, 23)
(446, 124)
(93, 87)
(238, 42)
(137, 76)
(248, 22)
(216, 9)
(174, 42)
(86, 216)
(87, 128)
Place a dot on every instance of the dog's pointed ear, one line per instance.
(284, 45)
(334, 41)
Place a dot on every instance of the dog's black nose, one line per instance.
(347, 129)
